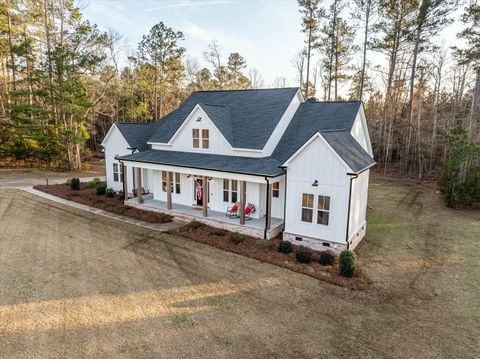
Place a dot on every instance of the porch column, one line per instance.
(269, 206)
(205, 196)
(169, 190)
(125, 184)
(138, 171)
(243, 199)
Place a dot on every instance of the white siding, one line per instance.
(317, 161)
(358, 202)
(278, 203)
(116, 145)
(360, 132)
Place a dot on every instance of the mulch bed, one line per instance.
(267, 251)
(87, 195)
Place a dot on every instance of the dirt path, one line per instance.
(76, 285)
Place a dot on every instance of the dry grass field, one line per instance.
(73, 284)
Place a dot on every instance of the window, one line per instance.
(174, 186)
(307, 207)
(323, 210)
(276, 189)
(226, 190)
(234, 191)
(205, 138)
(177, 183)
(115, 172)
(196, 137)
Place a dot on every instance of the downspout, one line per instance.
(285, 199)
(268, 209)
(354, 176)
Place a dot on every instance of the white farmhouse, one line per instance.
(259, 162)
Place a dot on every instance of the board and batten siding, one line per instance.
(116, 145)
(359, 131)
(317, 161)
(358, 209)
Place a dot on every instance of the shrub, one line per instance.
(236, 238)
(264, 244)
(101, 189)
(327, 258)
(97, 180)
(304, 255)
(285, 247)
(346, 263)
(163, 218)
(218, 232)
(194, 224)
(75, 183)
(109, 192)
(91, 184)
(121, 195)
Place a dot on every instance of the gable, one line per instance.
(182, 139)
(247, 118)
(115, 143)
(360, 132)
(313, 117)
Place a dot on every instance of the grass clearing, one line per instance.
(79, 285)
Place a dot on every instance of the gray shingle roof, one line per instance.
(313, 117)
(136, 133)
(349, 150)
(263, 166)
(246, 118)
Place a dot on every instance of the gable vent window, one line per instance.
(307, 207)
(276, 189)
(323, 210)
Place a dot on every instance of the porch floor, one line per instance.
(256, 224)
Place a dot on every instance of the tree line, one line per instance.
(421, 97)
(63, 83)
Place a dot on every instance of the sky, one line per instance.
(267, 33)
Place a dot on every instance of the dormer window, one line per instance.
(204, 139)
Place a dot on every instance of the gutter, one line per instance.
(205, 168)
(354, 176)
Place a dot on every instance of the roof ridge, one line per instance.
(240, 90)
(211, 104)
(134, 123)
(336, 101)
(334, 130)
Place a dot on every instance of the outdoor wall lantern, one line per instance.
(188, 176)
(315, 183)
(199, 119)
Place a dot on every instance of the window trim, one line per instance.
(205, 139)
(306, 207)
(276, 189)
(116, 172)
(325, 200)
(196, 139)
(175, 184)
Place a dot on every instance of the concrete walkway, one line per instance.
(162, 227)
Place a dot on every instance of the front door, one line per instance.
(198, 191)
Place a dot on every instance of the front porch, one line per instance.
(253, 227)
